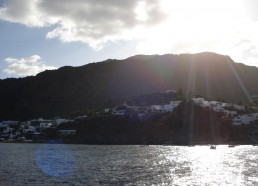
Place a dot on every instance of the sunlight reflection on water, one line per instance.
(59, 164)
(222, 166)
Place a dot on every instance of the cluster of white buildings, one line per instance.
(6, 128)
(245, 119)
(13, 129)
(143, 111)
(234, 112)
(166, 107)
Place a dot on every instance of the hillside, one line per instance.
(188, 124)
(70, 90)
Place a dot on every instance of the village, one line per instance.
(236, 112)
(39, 129)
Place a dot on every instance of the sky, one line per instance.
(36, 35)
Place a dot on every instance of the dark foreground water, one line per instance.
(56, 164)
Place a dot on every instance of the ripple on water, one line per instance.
(59, 164)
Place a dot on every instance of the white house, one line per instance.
(5, 131)
(218, 108)
(236, 121)
(254, 116)
(107, 110)
(157, 108)
(230, 113)
(245, 119)
(174, 104)
(8, 123)
(119, 110)
(29, 129)
(205, 104)
(45, 125)
(168, 108)
(38, 121)
(198, 101)
(61, 121)
(213, 103)
(238, 107)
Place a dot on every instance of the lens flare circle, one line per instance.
(55, 159)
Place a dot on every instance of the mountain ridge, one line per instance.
(69, 89)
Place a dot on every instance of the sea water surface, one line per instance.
(56, 164)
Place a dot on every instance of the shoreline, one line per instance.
(107, 144)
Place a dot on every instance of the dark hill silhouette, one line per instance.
(97, 85)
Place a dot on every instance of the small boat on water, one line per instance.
(231, 146)
(144, 145)
(212, 147)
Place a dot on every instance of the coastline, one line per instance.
(143, 144)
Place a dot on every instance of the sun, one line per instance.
(195, 26)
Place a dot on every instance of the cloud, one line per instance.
(158, 26)
(28, 66)
(218, 26)
(92, 22)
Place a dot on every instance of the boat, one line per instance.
(144, 145)
(212, 147)
(231, 145)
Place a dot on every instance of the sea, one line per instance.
(67, 164)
